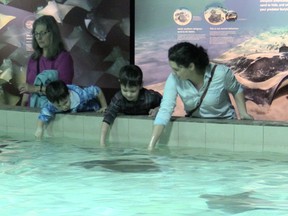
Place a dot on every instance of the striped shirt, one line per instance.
(147, 99)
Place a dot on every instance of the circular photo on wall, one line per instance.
(182, 16)
(215, 16)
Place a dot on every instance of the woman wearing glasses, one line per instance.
(50, 61)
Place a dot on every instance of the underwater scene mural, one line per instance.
(248, 36)
(95, 32)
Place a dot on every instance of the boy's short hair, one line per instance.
(131, 75)
(56, 91)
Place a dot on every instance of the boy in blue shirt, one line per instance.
(69, 98)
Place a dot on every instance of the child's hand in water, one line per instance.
(39, 133)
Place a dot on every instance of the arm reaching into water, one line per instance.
(39, 130)
(157, 131)
(47, 113)
(104, 130)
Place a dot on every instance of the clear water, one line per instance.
(77, 178)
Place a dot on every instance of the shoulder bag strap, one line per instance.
(38, 66)
(189, 114)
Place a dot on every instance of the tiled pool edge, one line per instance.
(231, 135)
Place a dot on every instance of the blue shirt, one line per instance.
(216, 103)
(82, 99)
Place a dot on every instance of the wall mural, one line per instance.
(96, 32)
(250, 36)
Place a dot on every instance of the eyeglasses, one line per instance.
(40, 34)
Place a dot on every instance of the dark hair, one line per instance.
(57, 44)
(185, 53)
(131, 75)
(56, 91)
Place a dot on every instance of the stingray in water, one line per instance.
(237, 203)
(6, 141)
(121, 164)
(2, 146)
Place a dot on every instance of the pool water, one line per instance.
(62, 177)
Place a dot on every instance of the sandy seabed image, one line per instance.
(259, 64)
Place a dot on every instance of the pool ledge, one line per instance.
(231, 135)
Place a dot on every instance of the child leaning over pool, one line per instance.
(132, 99)
(69, 98)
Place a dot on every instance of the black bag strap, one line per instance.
(38, 71)
(189, 114)
(38, 66)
